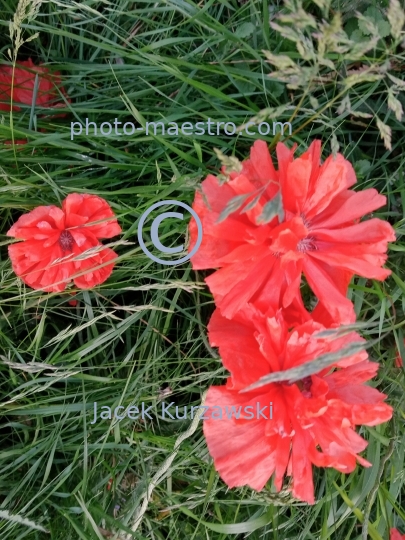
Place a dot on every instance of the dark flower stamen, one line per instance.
(66, 241)
(306, 383)
(307, 244)
(305, 221)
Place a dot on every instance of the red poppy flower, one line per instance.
(398, 358)
(319, 236)
(396, 535)
(313, 420)
(60, 243)
(17, 142)
(73, 302)
(24, 82)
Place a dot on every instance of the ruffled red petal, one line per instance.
(57, 245)
(318, 235)
(313, 420)
(245, 456)
(97, 271)
(91, 214)
(38, 224)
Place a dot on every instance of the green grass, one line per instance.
(144, 330)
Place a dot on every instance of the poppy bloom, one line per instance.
(73, 302)
(17, 142)
(313, 420)
(396, 535)
(60, 243)
(317, 232)
(398, 358)
(22, 91)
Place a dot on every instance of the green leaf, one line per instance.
(274, 88)
(358, 513)
(358, 36)
(384, 29)
(376, 18)
(245, 30)
(272, 209)
(234, 528)
(252, 203)
(234, 204)
(361, 167)
(309, 368)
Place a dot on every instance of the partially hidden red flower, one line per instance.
(22, 91)
(73, 302)
(17, 142)
(313, 420)
(398, 358)
(396, 535)
(320, 236)
(60, 243)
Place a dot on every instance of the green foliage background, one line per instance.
(141, 336)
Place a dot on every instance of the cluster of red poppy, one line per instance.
(263, 230)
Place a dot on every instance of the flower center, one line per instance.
(305, 386)
(292, 236)
(307, 244)
(66, 241)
